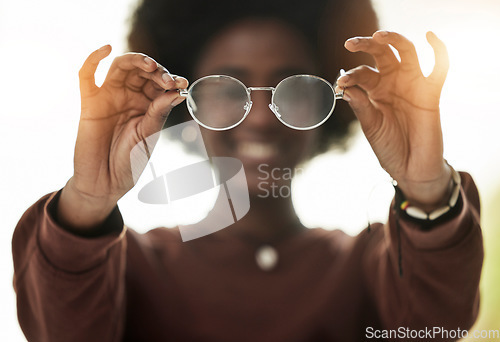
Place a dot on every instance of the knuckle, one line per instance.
(82, 73)
(118, 59)
(129, 55)
(156, 87)
(364, 40)
(116, 62)
(364, 103)
(411, 47)
(361, 72)
(154, 108)
(354, 71)
(137, 57)
(159, 112)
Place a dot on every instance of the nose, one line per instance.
(260, 115)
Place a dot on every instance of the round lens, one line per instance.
(303, 101)
(218, 102)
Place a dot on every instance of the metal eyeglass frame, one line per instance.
(272, 105)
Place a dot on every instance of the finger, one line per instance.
(384, 57)
(363, 76)
(122, 65)
(152, 89)
(442, 63)
(180, 82)
(362, 107)
(158, 111)
(405, 48)
(160, 76)
(86, 74)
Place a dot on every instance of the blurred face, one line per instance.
(260, 53)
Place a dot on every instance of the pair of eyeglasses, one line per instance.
(220, 102)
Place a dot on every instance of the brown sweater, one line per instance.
(327, 286)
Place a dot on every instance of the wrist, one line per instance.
(81, 212)
(431, 213)
(429, 195)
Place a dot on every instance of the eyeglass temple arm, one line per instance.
(340, 96)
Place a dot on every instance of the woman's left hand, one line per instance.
(398, 108)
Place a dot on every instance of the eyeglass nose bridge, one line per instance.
(250, 89)
(272, 105)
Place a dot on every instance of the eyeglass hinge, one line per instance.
(340, 96)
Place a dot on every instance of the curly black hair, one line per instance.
(175, 33)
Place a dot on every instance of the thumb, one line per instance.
(363, 108)
(148, 130)
(158, 111)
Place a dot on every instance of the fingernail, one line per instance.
(343, 79)
(178, 100)
(346, 97)
(148, 61)
(383, 33)
(167, 78)
(353, 40)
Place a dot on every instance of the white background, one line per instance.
(44, 43)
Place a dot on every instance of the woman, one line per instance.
(81, 276)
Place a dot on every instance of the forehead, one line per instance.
(257, 46)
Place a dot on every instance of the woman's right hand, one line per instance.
(132, 104)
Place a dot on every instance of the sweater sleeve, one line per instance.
(69, 288)
(427, 278)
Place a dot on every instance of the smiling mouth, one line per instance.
(257, 150)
